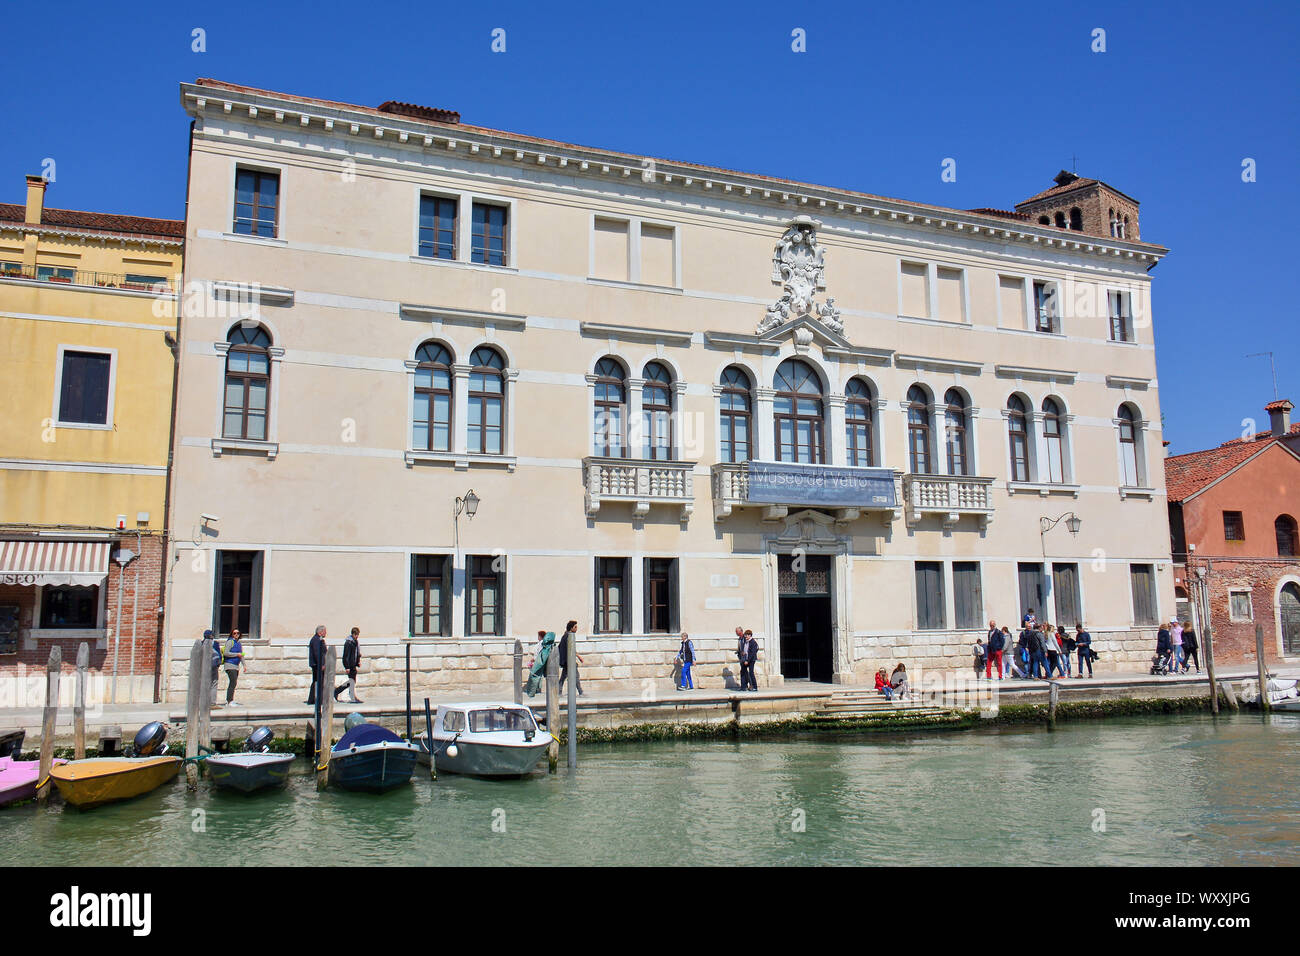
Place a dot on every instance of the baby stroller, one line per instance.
(1162, 662)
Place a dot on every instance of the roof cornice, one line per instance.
(106, 235)
(789, 197)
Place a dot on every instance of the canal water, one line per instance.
(1188, 790)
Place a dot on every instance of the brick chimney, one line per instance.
(1279, 417)
(35, 199)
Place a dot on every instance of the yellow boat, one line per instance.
(88, 783)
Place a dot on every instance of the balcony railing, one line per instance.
(849, 492)
(83, 277)
(643, 483)
(950, 496)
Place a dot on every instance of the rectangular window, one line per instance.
(610, 254)
(660, 595)
(1143, 580)
(1030, 580)
(915, 289)
(1011, 299)
(611, 595)
(488, 234)
(83, 388)
(657, 266)
(485, 586)
(1239, 606)
(1121, 317)
(967, 594)
(70, 607)
(952, 306)
(145, 283)
(257, 203)
(437, 227)
(1046, 313)
(1065, 588)
(9, 624)
(238, 599)
(431, 595)
(1234, 526)
(55, 273)
(929, 595)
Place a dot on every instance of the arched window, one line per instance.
(859, 431)
(1018, 431)
(1128, 447)
(1060, 219)
(1054, 435)
(657, 413)
(248, 383)
(735, 415)
(1288, 542)
(432, 418)
(956, 414)
(918, 431)
(1044, 221)
(1123, 229)
(611, 409)
(1114, 224)
(487, 391)
(1076, 219)
(799, 415)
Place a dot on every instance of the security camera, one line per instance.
(207, 518)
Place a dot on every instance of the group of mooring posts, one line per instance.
(50, 718)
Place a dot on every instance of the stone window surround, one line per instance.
(62, 350)
(465, 199)
(634, 224)
(280, 212)
(932, 289)
(458, 455)
(271, 446)
(1250, 600)
(632, 391)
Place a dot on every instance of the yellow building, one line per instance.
(87, 324)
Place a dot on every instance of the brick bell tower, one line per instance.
(1083, 205)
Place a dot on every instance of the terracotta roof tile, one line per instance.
(1187, 474)
(1057, 190)
(1282, 404)
(98, 222)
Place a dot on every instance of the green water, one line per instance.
(1185, 790)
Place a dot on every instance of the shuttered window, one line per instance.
(967, 594)
(237, 603)
(1030, 578)
(660, 579)
(1143, 580)
(929, 595)
(612, 595)
(431, 594)
(485, 595)
(1065, 588)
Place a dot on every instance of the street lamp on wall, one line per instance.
(1072, 522)
(467, 504)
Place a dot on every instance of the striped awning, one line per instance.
(30, 562)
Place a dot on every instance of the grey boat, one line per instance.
(484, 739)
(254, 769)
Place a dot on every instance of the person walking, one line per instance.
(1190, 646)
(316, 650)
(537, 666)
(1051, 648)
(1067, 647)
(995, 644)
(1008, 652)
(1023, 653)
(749, 657)
(686, 657)
(1176, 646)
(1037, 654)
(232, 659)
(351, 661)
(570, 634)
(1083, 642)
(216, 663)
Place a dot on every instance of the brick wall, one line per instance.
(1234, 641)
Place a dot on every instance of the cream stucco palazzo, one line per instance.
(684, 398)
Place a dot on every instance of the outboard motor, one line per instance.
(151, 740)
(259, 741)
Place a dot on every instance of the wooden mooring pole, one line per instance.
(428, 739)
(553, 707)
(571, 708)
(325, 700)
(1207, 632)
(200, 657)
(207, 693)
(1053, 695)
(1265, 705)
(519, 672)
(79, 703)
(50, 720)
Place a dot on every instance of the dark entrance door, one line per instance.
(1289, 604)
(807, 648)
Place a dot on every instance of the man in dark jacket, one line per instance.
(316, 650)
(351, 661)
(1083, 643)
(570, 633)
(996, 645)
(1032, 639)
(749, 657)
(1164, 645)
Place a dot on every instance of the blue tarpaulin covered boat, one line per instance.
(373, 758)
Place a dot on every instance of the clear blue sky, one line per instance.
(883, 94)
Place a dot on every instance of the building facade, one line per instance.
(1233, 514)
(684, 399)
(87, 306)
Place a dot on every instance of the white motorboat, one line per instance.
(1282, 694)
(484, 739)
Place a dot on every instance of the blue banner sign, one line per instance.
(825, 486)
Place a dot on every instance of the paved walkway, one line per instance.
(131, 717)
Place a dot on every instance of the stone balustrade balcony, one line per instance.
(950, 496)
(642, 482)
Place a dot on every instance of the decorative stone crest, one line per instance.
(799, 265)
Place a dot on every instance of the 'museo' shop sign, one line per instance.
(787, 483)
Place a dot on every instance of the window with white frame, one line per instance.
(1120, 308)
(464, 227)
(84, 396)
(1047, 310)
(914, 289)
(1054, 441)
(1019, 437)
(1130, 447)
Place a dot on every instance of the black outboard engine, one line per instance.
(151, 740)
(259, 741)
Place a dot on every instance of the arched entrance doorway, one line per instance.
(1288, 602)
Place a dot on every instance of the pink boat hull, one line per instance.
(18, 779)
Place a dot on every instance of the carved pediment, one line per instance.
(799, 267)
(808, 529)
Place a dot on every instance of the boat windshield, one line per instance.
(500, 718)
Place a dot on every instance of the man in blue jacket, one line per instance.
(1083, 641)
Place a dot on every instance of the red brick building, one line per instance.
(1233, 514)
